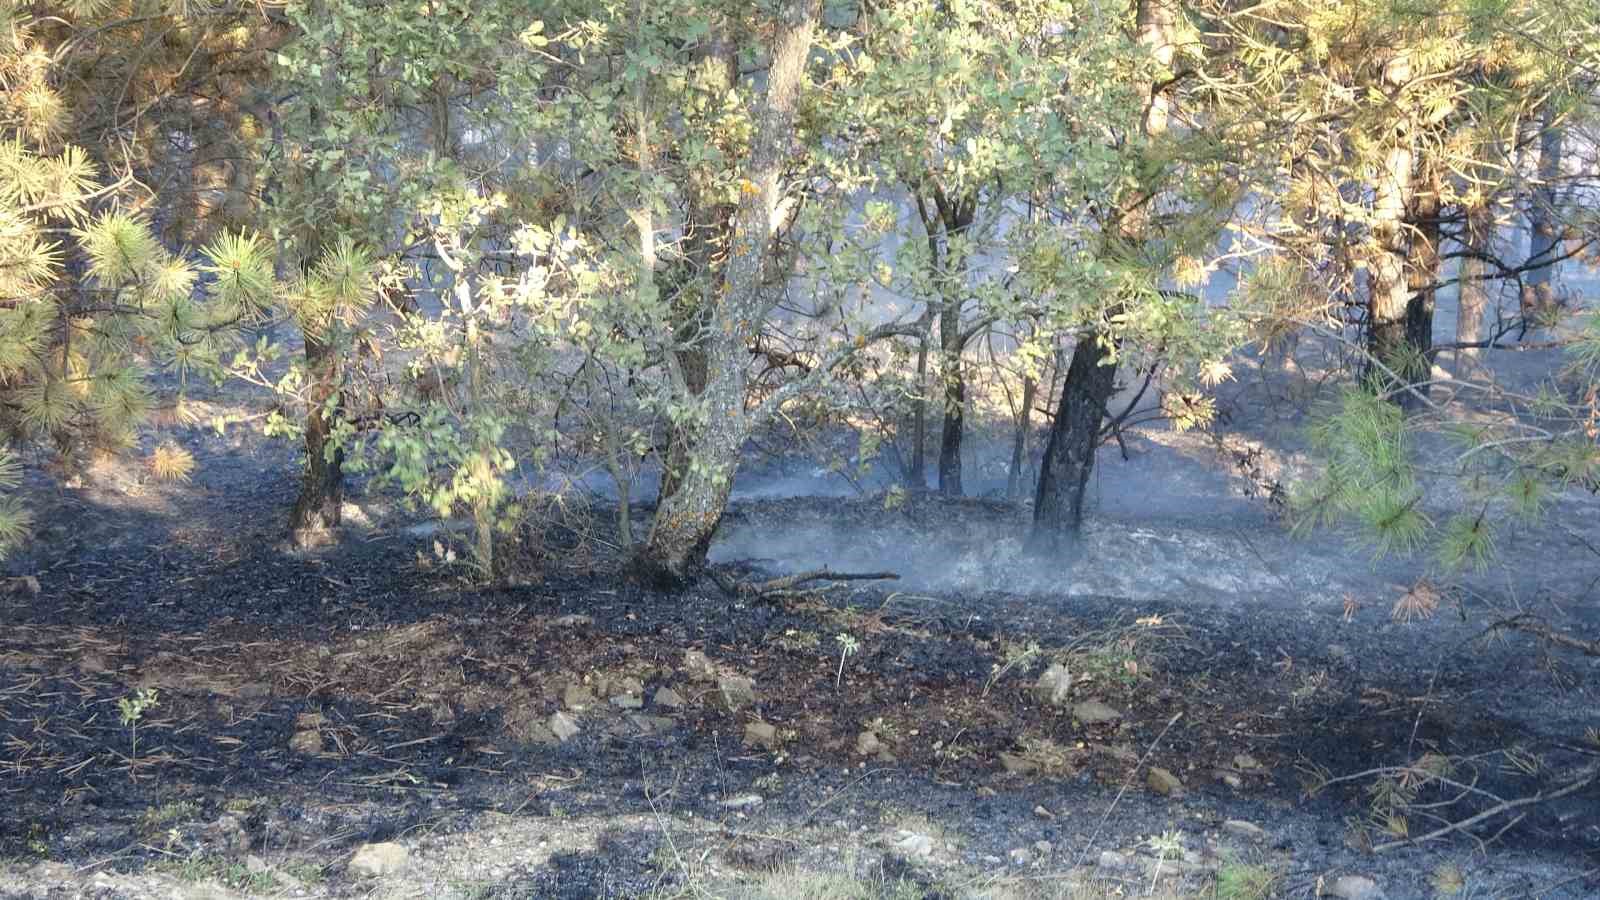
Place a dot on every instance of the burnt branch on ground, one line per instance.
(791, 585)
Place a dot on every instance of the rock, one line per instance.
(1093, 712)
(1020, 856)
(228, 834)
(1054, 686)
(1245, 762)
(1247, 830)
(669, 698)
(572, 620)
(577, 697)
(867, 743)
(26, 584)
(743, 801)
(562, 726)
(736, 692)
(307, 742)
(1112, 861)
(1043, 813)
(256, 864)
(1354, 887)
(374, 860)
(1043, 848)
(536, 733)
(986, 791)
(309, 720)
(1018, 765)
(698, 666)
(1163, 782)
(761, 734)
(627, 701)
(652, 724)
(1230, 779)
(914, 845)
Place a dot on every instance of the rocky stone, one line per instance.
(577, 697)
(698, 666)
(1093, 712)
(627, 701)
(1054, 686)
(562, 726)
(735, 692)
(1353, 887)
(1246, 830)
(1043, 848)
(307, 742)
(669, 698)
(986, 791)
(1020, 856)
(536, 733)
(914, 845)
(374, 860)
(1245, 762)
(572, 620)
(228, 835)
(1230, 779)
(254, 863)
(652, 724)
(1164, 782)
(867, 743)
(1043, 813)
(761, 734)
(1112, 861)
(743, 801)
(1018, 765)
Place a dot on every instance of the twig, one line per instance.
(1124, 789)
(1491, 812)
(788, 583)
(1526, 622)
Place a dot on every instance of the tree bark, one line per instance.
(917, 476)
(955, 399)
(1075, 435)
(1474, 296)
(1422, 273)
(1074, 438)
(1019, 441)
(316, 510)
(1544, 243)
(1389, 291)
(713, 436)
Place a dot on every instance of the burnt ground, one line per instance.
(308, 704)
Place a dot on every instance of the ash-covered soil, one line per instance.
(1180, 696)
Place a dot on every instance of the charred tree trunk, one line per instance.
(1422, 274)
(1091, 377)
(955, 400)
(1074, 437)
(316, 509)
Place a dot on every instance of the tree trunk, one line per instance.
(1474, 295)
(1074, 437)
(713, 436)
(1422, 273)
(316, 510)
(955, 399)
(1019, 441)
(1538, 297)
(1389, 293)
(917, 476)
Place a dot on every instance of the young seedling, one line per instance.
(132, 708)
(847, 645)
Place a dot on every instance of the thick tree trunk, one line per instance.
(1389, 293)
(1544, 243)
(917, 476)
(713, 436)
(1474, 297)
(1074, 437)
(316, 510)
(955, 400)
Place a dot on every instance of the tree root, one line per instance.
(790, 585)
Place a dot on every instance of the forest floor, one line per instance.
(1237, 711)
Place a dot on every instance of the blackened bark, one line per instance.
(316, 509)
(1538, 297)
(1422, 273)
(1074, 436)
(955, 400)
(1019, 441)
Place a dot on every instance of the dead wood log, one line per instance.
(1531, 624)
(791, 585)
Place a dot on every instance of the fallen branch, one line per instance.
(790, 584)
(1588, 778)
(1531, 624)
